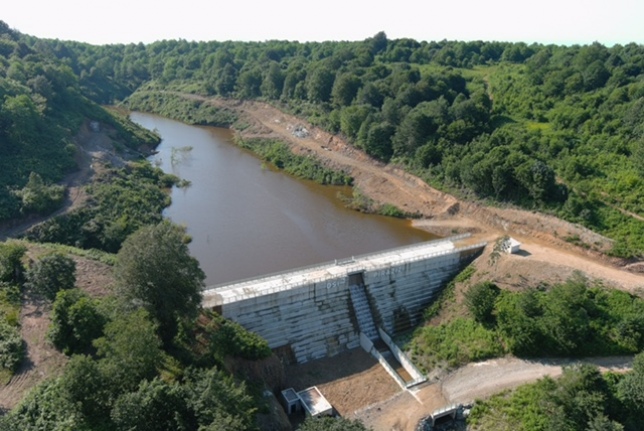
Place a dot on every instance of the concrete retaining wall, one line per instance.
(401, 357)
(368, 346)
(309, 312)
(314, 320)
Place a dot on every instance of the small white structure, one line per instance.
(291, 400)
(444, 412)
(512, 246)
(314, 402)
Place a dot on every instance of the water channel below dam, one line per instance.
(247, 220)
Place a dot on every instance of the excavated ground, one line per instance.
(353, 382)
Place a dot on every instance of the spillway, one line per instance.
(310, 313)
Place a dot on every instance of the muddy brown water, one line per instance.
(248, 220)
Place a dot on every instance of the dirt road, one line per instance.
(542, 235)
(94, 149)
(474, 381)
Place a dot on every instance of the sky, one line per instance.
(563, 22)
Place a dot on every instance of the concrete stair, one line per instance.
(363, 312)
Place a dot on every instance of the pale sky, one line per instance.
(124, 21)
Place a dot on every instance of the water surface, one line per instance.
(247, 220)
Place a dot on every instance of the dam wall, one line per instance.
(309, 313)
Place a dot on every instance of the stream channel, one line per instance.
(247, 220)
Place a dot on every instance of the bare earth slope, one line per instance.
(42, 360)
(544, 253)
(541, 235)
(403, 411)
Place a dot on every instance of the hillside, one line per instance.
(549, 128)
(545, 143)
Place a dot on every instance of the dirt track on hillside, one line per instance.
(403, 411)
(545, 252)
(542, 235)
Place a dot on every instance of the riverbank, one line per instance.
(551, 240)
(95, 150)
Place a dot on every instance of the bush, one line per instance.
(230, 338)
(11, 268)
(455, 343)
(53, 272)
(480, 300)
(40, 198)
(75, 322)
(11, 347)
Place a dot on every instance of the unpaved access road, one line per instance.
(542, 235)
(403, 411)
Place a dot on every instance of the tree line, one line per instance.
(548, 127)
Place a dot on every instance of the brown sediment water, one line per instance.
(247, 220)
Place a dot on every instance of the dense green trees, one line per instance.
(154, 270)
(574, 318)
(42, 106)
(547, 127)
(582, 399)
(129, 384)
(120, 374)
(122, 201)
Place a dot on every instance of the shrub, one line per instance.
(230, 338)
(480, 300)
(53, 272)
(11, 261)
(75, 322)
(455, 343)
(11, 347)
(40, 198)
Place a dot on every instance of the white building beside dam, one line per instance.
(319, 311)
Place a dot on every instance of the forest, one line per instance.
(553, 128)
(557, 129)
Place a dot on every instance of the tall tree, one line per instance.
(130, 351)
(319, 84)
(154, 269)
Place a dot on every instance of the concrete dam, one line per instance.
(314, 312)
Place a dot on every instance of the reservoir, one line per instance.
(247, 220)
